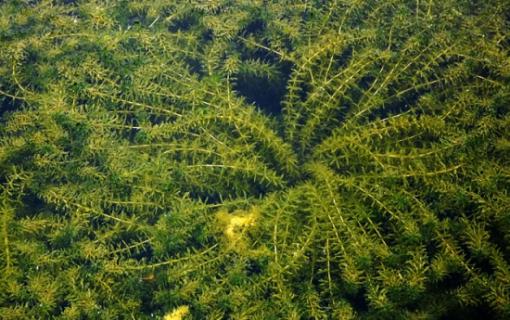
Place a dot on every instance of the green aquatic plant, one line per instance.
(254, 159)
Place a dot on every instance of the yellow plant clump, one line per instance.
(177, 313)
(235, 224)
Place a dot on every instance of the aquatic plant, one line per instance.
(254, 159)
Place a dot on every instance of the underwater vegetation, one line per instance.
(257, 159)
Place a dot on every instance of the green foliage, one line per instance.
(255, 159)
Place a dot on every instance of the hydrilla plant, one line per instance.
(254, 159)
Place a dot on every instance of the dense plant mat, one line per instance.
(256, 159)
